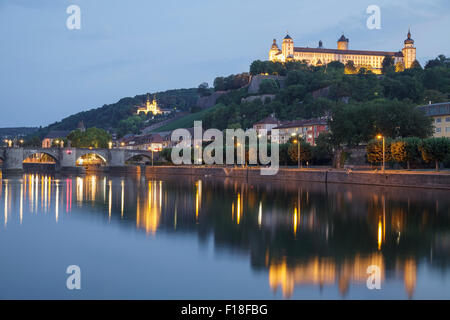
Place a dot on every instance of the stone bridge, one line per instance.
(66, 158)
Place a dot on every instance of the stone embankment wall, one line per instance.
(410, 179)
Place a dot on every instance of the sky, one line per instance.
(130, 47)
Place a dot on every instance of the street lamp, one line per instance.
(379, 137)
(299, 148)
(110, 145)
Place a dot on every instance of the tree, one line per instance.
(398, 151)
(305, 151)
(203, 89)
(268, 86)
(350, 67)
(92, 137)
(399, 67)
(412, 150)
(387, 66)
(416, 65)
(355, 123)
(375, 151)
(336, 65)
(435, 149)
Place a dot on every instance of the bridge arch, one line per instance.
(91, 158)
(135, 155)
(40, 156)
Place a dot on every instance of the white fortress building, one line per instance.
(361, 58)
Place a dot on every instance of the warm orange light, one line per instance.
(379, 136)
(295, 141)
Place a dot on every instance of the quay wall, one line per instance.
(395, 179)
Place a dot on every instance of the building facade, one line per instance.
(307, 129)
(361, 58)
(266, 125)
(54, 135)
(440, 113)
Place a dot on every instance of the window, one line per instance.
(438, 130)
(438, 120)
(447, 129)
(447, 119)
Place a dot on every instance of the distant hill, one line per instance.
(17, 132)
(108, 116)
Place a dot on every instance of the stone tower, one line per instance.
(342, 43)
(409, 51)
(273, 50)
(287, 47)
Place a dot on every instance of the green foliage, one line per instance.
(387, 66)
(203, 89)
(232, 82)
(355, 123)
(350, 67)
(374, 151)
(33, 141)
(435, 149)
(92, 137)
(268, 86)
(184, 122)
(305, 151)
(398, 151)
(166, 154)
(109, 116)
(412, 150)
(276, 68)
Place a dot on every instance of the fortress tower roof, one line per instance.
(408, 39)
(343, 38)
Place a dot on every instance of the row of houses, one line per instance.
(309, 129)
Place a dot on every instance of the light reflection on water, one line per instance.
(301, 237)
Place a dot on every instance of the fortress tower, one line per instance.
(342, 43)
(409, 51)
(287, 48)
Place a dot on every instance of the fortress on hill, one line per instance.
(361, 58)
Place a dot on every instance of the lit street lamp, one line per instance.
(379, 137)
(299, 148)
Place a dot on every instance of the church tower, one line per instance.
(287, 47)
(342, 43)
(409, 51)
(274, 50)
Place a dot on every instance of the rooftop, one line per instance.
(348, 52)
(436, 109)
(302, 123)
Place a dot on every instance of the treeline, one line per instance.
(408, 151)
(109, 116)
(232, 82)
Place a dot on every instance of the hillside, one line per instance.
(108, 116)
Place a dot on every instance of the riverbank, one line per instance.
(422, 179)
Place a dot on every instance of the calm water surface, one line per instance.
(200, 238)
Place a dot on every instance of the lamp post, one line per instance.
(299, 149)
(381, 137)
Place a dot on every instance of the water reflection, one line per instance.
(300, 235)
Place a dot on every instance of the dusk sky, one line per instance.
(126, 48)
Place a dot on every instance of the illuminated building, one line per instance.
(152, 107)
(53, 135)
(440, 113)
(319, 56)
(308, 129)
